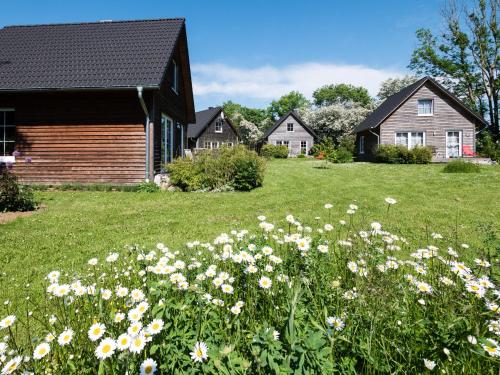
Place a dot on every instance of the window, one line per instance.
(425, 107)
(175, 77)
(7, 133)
(230, 144)
(410, 139)
(207, 144)
(289, 127)
(417, 139)
(303, 147)
(215, 144)
(362, 144)
(402, 139)
(167, 134)
(218, 126)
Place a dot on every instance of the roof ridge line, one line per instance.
(98, 22)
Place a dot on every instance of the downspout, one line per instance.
(146, 112)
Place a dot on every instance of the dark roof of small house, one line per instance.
(104, 54)
(204, 119)
(296, 116)
(393, 102)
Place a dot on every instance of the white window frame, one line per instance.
(209, 145)
(307, 148)
(216, 145)
(229, 144)
(409, 133)
(3, 126)
(220, 123)
(175, 77)
(362, 144)
(425, 114)
(460, 142)
(293, 127)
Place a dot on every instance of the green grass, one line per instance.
(76, 226)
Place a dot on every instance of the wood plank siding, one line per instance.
(447, 116)
(294, 138)
(78, 137)
(81, 153)
(228, 135)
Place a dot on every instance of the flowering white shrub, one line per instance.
(335, 121)
(290, 297)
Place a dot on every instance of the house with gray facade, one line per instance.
(291, 131)
(212, 129)
(421, 114)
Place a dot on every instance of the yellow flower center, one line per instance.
(96, 331)
(199, 353)
(148, 369)
(106, 349)
(42, 351)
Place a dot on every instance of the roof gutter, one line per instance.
(146, 112)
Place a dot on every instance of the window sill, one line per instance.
(432, 114)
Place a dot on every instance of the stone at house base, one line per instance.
(163, 181)
(481, 161)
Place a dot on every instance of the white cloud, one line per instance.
(269, 82)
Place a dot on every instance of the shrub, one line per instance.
(487, 147)
(397, 154)
(274, 151)
(421, 155)
(326, 149)
(14, 196)
(274, 299)
(147, 187)
(461, 166)
(234, 167)
(301, 156)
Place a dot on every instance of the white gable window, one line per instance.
(218, 126)
(362, 144)
(175, 77)
(7, 135)
(289, 127)
(425, 107)
(410, 139)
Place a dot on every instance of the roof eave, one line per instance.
(69, 89)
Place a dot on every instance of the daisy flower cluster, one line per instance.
(315, 283)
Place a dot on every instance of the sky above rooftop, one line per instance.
(254, 51)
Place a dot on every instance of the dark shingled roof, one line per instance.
(393, 102)
(203, 119)
(87, 55)
(296, 116)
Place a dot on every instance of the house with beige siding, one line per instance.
(291, 131)
(421, 114)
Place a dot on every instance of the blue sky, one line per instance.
(253, 51)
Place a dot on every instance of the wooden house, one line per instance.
(103, 102)
(421, 114)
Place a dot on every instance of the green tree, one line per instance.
(465, 56)
(292, 100)
(236, 112)
(393, 85)
(341, 94)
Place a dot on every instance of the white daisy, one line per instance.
(199, 353)
(41, 350)
(137, 344)
(7, 321)
(335, 323)
(12, 365)
(265, 282)
(389, 200)
(123, 341)
(155, 326)
(105, 349)
(65, 337)
(429, 364)
(96, 331)
(148, 367)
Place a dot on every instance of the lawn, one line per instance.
(76, 226)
